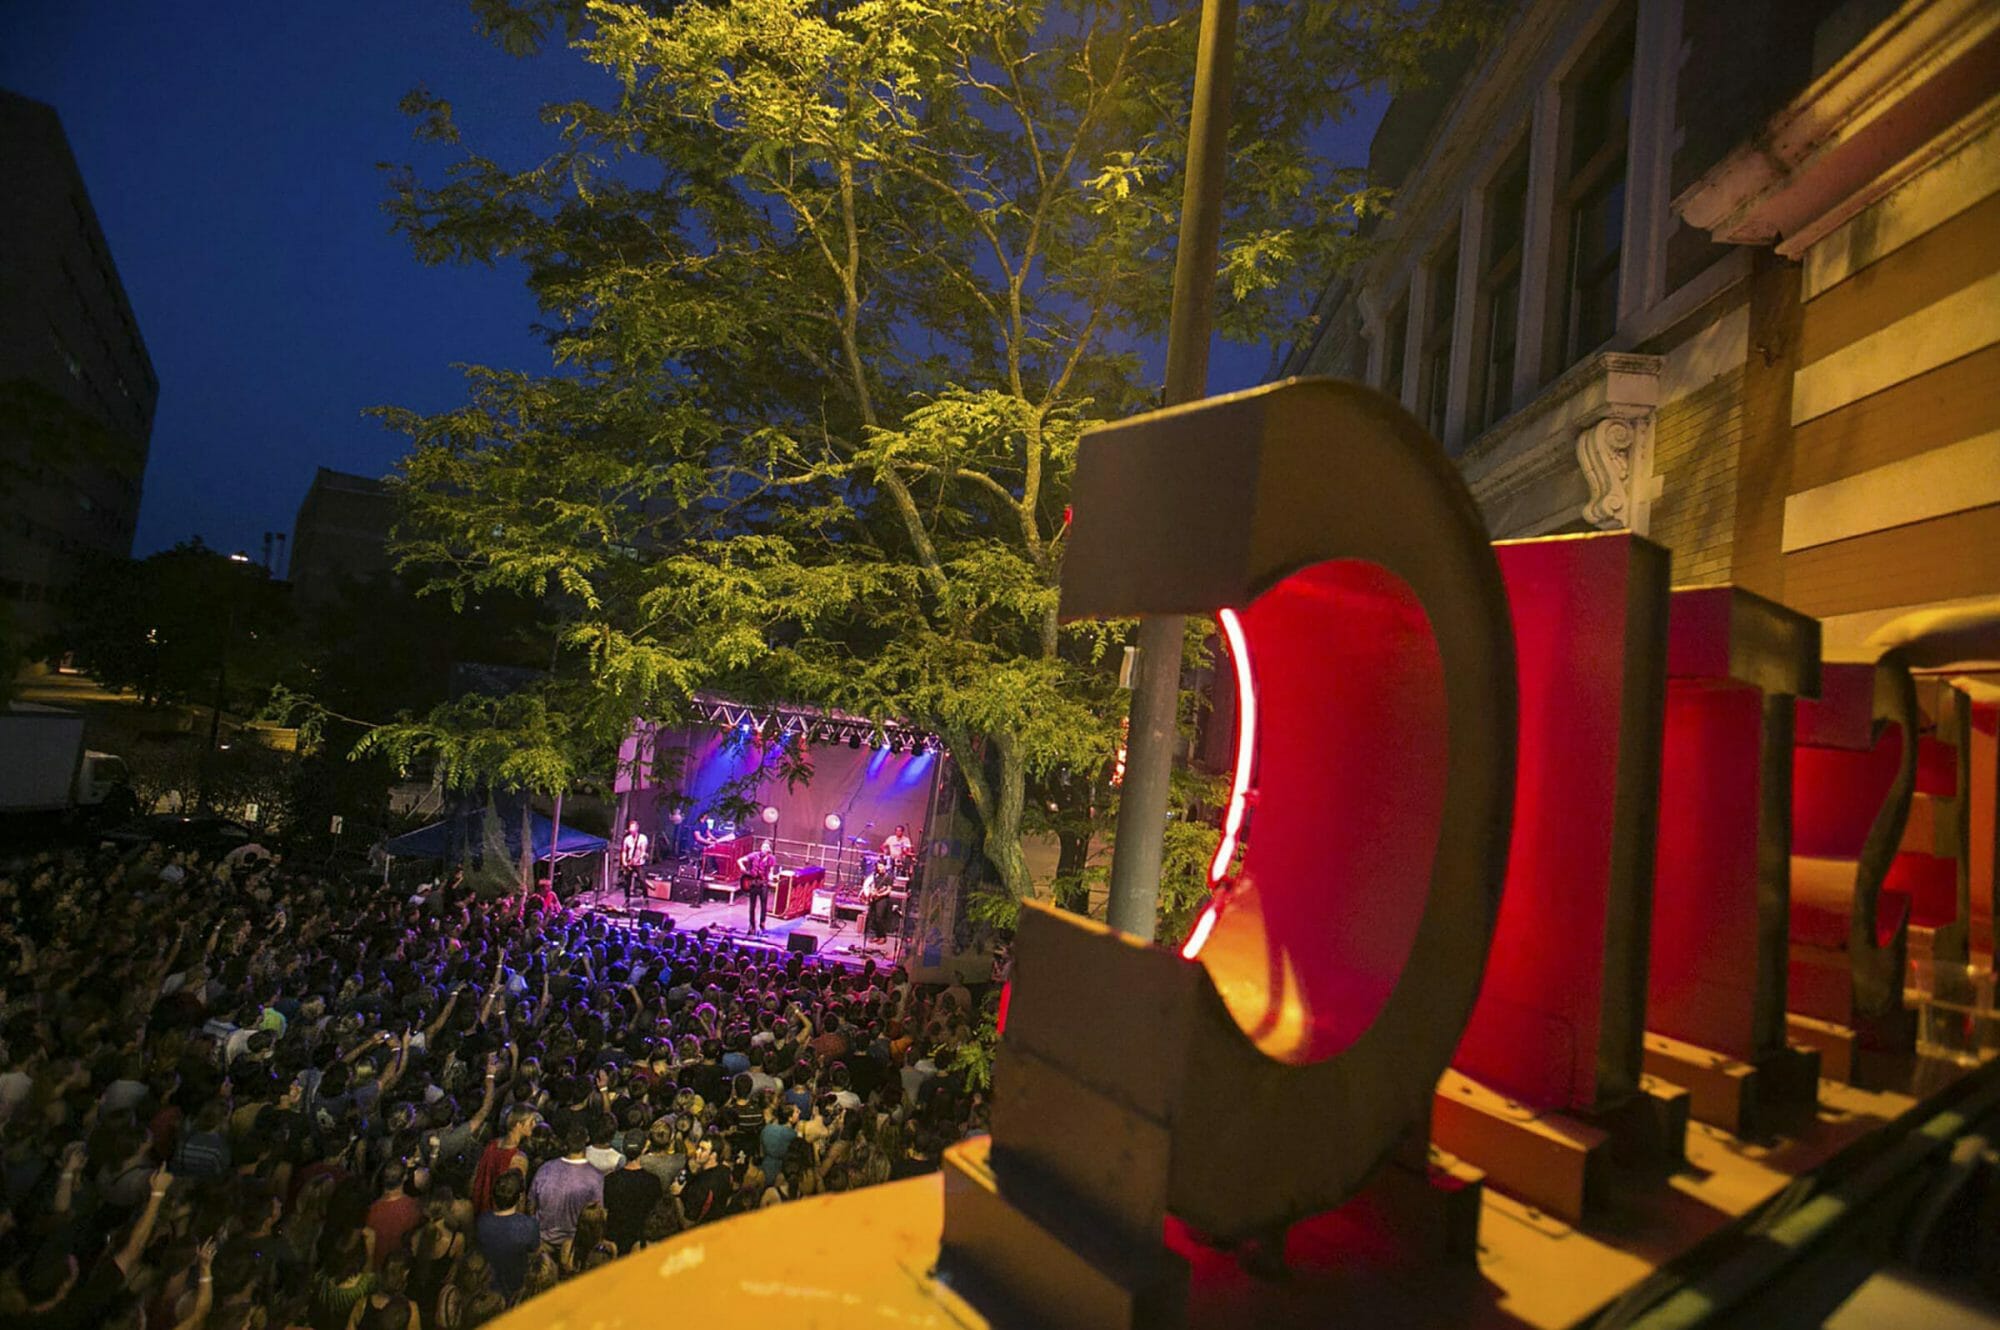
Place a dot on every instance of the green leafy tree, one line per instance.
(183, 625)
(832, 290)
(372, 654)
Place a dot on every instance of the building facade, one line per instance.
(342, 532)
(77, 389)
(1721, 272)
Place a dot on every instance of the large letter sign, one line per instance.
(1933, 863)
(1854, 769)
(1982, 824)
(1715, 1013)
(1266, 1070)
(1547, 1083)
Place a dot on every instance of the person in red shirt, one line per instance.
(502, 1155)
(392, 1216)
(831, 1045)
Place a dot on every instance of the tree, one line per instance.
(182, 625)
(832, 291)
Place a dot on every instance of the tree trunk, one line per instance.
(1072, 857)
(995, 782)
(1003, 826)
(1073, 852)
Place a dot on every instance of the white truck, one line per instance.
(44, 766)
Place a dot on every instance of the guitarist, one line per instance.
(634, 854)
(875, 889)
(757, 868)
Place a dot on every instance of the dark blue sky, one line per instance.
(230, 151)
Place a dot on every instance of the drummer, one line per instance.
(897, 848)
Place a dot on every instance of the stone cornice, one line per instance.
(1539, 443)
(1834, 148)
(1608, 383)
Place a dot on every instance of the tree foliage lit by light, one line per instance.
(832, 291)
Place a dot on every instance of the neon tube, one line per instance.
(1246, 744)
(1203, 926)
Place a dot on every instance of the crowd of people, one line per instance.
(241, 1096)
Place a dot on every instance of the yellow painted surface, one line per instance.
(864, 1259)
(1940, 482)
(1955, 326)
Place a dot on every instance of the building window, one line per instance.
(1499, 310)
(69, 360)
(1434, 381)
(1397, 331)
(1592, 200)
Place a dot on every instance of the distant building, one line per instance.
(1722, 272)
(341, 532)
(77, 389)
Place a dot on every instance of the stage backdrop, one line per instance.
(872, 789)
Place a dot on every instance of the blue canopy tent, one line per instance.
(441, 840)
(475, 833)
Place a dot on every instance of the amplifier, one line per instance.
(800, 940)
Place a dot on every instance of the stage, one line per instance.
(839, 940)
(825, 793)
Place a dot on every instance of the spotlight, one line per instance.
(896, 744)
(854, 738)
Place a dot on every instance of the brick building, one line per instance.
(77, 388)
(1719, 271)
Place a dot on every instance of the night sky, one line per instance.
(230, 151)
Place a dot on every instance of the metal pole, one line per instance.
(206, 766)
(1156, 674)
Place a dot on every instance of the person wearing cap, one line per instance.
(630, 1194)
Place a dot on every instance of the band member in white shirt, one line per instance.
(634, 853)
(897, 847)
